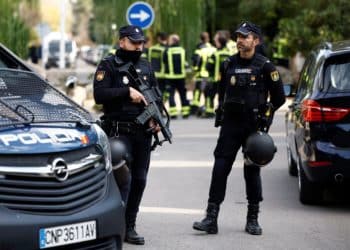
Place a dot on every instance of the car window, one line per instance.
(305, 81)
(337, 74)
(54, 47)
(2, 64)
(9, 61)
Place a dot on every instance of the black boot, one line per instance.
(210, 223)
(252, 226)
(131, 235)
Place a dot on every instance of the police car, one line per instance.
(56, 186)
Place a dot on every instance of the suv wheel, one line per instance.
(309, 192)
(292, 166)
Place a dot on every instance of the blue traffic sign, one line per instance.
(140, 14)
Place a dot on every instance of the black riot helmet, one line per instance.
(259, 149)
(119, 152)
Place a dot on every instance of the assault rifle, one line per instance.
(155, 107)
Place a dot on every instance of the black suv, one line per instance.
(318, 122)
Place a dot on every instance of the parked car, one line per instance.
(318, 122)
(57, 189)
(51, 50)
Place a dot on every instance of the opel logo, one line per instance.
(60, 169)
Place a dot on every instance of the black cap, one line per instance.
(247, 27)
(133, 32)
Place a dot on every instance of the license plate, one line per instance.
(67, 234)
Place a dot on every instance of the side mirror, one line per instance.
(71, 82)
(287, 89)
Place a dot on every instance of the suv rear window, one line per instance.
(337, 73)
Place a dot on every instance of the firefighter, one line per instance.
(155, 56)
(213, 67)
(231, 45)
(175, 74)
(199, 60)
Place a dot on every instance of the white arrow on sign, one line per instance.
(142, 15)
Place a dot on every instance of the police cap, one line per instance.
(133, 32)
(247, 27)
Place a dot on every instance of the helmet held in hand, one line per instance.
(259, 149)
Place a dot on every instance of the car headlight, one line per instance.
(102, 141)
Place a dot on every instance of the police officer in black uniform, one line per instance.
(122, 103)
(248, 81)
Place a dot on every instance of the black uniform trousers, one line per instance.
(209, 93)
(233, 134)
(139, 145)
(179, 85)
(164, 88)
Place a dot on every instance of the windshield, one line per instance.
(26, 98)
(337, 73)
(54, 46)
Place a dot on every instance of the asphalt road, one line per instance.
(177, 191)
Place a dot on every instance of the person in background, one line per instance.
(199, 60)
(175, 74)
(213, 67)
(155, 56)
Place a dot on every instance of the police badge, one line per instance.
(125, 80)
(275, 76)
(100, 75)
(233, 80)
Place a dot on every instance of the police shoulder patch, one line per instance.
(100, 75)
(275, 76)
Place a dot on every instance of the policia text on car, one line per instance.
(248, 81)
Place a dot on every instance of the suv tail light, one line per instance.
(312, 111)
(319, 163)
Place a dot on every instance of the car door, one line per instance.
(294, 123)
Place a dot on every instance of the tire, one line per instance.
(292, 165)
(309, 193)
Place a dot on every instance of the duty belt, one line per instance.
(126, 128)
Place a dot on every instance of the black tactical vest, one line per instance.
(125, 109)
(245, 87)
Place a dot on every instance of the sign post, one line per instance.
(140, 14)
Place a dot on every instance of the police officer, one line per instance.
(122, 103)
(248, 80)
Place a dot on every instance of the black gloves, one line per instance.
(219, 115)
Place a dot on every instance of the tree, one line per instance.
(302, 23)
(188, 18)
(15, 32)
(322, 21)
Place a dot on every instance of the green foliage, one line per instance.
(322, 22)
(304, 23)
(14, 34)
(188, 18)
